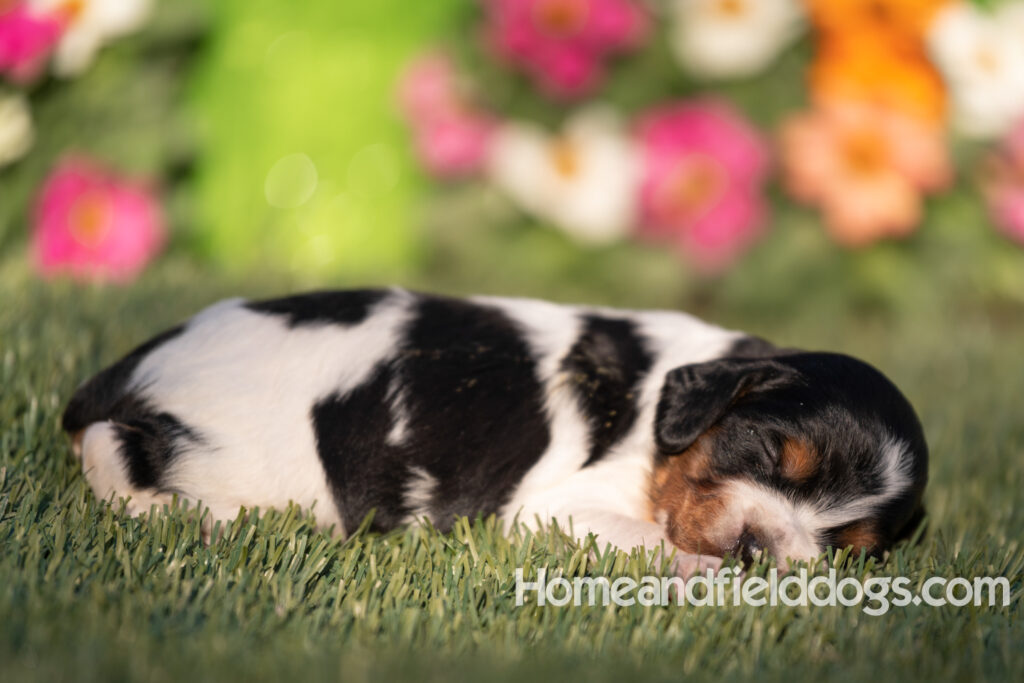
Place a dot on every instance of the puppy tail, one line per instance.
(97, 399)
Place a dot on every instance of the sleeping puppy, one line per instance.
(645, 428)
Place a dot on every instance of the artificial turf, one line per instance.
(86, 594)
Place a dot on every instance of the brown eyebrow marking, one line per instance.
(859, 535)
(799, 461)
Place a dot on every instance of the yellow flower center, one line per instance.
(879, 11)
(71, 10)
(692, 187)
(865, 153)
(730, 9)
(560, 18)
(89, 220)
(565, 159)
(986, 60)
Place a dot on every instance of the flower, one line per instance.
(451, 137)
(854, 70)
(583, 181)
(732, 38)
(865, 166)
(88, 25)
(901, 23)
(27, 37)
(981, 56)
(703, 171)
(91, 224)
(1003, 184)
(562, 44)
(16, 134)
(873, 51)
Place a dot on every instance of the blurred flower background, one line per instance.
(657, 152)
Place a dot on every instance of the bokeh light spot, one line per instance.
(291, 181)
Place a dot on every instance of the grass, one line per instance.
(88, 595)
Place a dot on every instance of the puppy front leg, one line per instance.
(626, 534)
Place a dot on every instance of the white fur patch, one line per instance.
(550, 330)
(419, 493)
(774, 515)
(399, 415)
(102, 463)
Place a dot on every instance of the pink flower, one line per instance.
(451, 137)
(1004, 184)
(26, 39)
(92, 225)
(704, 167)
(562, 44)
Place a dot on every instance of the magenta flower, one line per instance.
(92, 225)
(1004, 184)
(704, 168)
(451, 137)
(26, 39)
(562, 44)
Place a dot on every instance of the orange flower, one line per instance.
(865, 167)
(898, 19)
(867, 71)
(873, 51)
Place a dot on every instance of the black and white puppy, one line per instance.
(642, 427)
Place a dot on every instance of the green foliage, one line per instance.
(88, 595)
(313, 78)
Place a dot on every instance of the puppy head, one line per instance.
(787, 455)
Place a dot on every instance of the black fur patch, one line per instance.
(364, 472)
(606, 366)
(149, 440)
(474, 415)
(343, 308)
(94, 400)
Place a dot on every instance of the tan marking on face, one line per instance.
(684, 490)
(859, 535)
(76, 443)
(660, 476)
(799, 461)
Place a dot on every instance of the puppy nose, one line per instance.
(749, 545)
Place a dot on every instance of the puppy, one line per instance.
(645, 428)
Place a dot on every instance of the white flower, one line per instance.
(981, 55)
(91, 24)
(584, 180)
(16, 133)
(732, 38)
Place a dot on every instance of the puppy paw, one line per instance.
(686, 565)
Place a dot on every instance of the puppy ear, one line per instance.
(695, 397)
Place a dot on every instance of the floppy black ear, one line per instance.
(695, 397)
